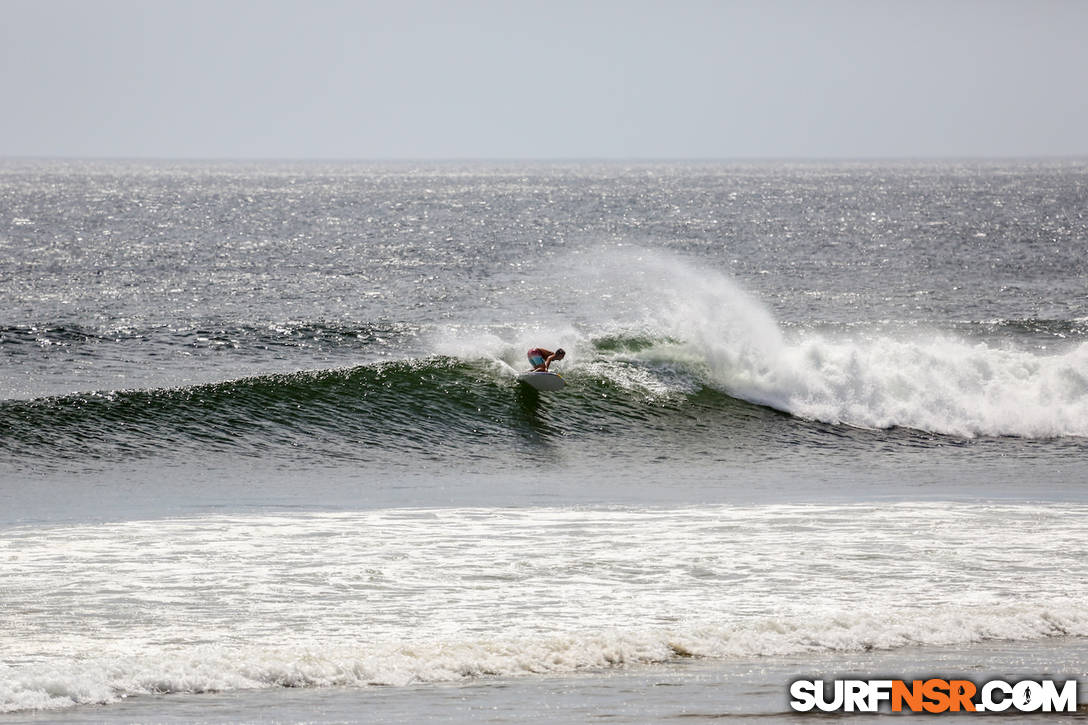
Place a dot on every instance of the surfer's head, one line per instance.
(560, 354)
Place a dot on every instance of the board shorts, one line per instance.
(535, 358)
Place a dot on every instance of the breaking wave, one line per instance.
(689, 344)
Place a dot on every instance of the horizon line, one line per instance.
(547, 160)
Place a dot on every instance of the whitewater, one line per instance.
(694, 327)
(504, 593)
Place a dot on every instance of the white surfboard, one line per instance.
(542, 380)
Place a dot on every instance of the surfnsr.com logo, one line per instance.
(934, 696)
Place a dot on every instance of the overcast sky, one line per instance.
(423, 79)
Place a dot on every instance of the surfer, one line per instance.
(540, 358)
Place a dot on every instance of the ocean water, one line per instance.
(264, 457)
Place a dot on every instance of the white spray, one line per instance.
(936, 383)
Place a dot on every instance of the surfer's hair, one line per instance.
(560, 351)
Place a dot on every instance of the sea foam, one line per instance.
(402, 596)
(202, 669)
